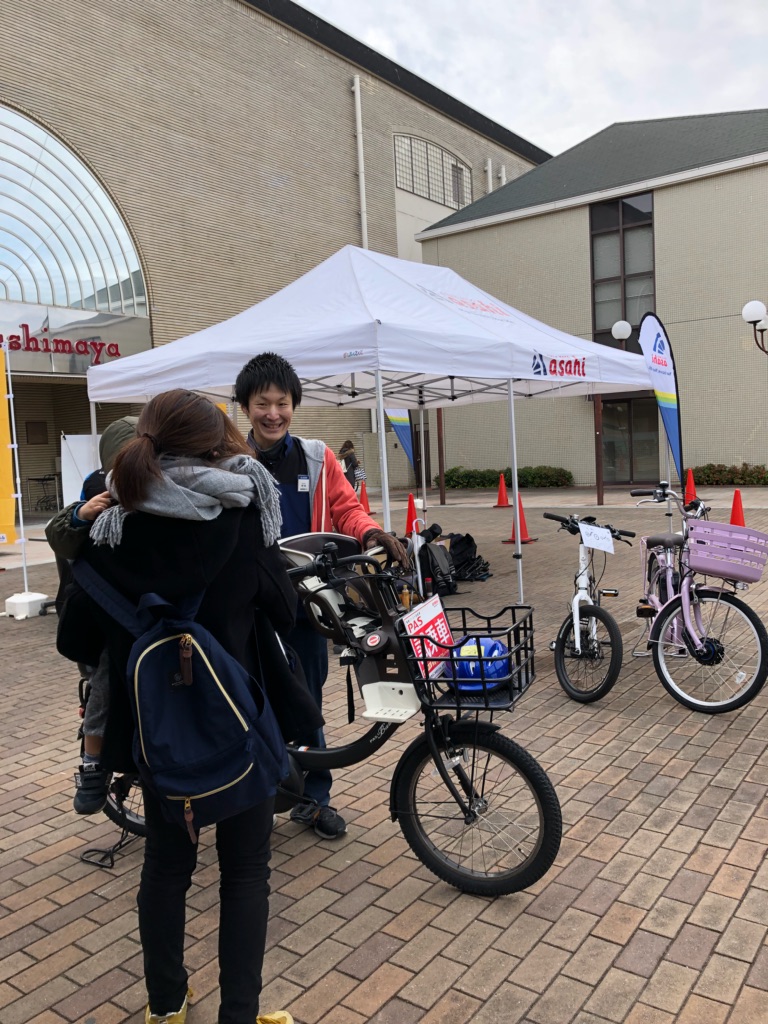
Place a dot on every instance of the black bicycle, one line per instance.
(475, 807)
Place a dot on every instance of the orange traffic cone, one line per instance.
(502, 501)
(364, 498)
(737, 510)
(690, 488)
(410, 517)
(524, 538)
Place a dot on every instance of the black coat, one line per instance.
(243, 581)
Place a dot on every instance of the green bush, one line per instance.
(719, 475)
(459, 478)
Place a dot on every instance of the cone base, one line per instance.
(528, 540)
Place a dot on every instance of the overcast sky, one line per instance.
(557, 71)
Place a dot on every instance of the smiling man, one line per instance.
(315, 497)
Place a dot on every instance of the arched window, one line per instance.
(427, 170)
(62, 240)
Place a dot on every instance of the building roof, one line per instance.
(339, 42)
(625, 154)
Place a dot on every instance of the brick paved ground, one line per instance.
(656, 910)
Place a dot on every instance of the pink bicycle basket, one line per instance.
(730, 552)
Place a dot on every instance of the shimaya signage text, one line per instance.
(41, 342)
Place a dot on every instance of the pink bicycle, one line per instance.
(709, 648)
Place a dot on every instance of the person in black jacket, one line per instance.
(349, 463)
(195, 513)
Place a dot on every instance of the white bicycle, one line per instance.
(588, 647)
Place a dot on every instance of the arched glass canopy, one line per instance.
(62, 240)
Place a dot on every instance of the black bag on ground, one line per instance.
(470, 567)
(463, 549)
(436, 564)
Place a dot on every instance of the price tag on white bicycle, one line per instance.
(596, 537)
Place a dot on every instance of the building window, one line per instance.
(62, 239)
(623, 286)
(427, 170)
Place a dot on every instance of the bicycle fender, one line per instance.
(458, 731)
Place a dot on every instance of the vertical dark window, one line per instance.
(623, 285)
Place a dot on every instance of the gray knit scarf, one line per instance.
(191, 489)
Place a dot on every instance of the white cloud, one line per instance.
(557, 72)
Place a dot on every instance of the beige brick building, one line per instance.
(208, 149)
(668, 216)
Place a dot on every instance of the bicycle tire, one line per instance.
(589, 675)
(516, 835)
(125, 804)
(742, 653)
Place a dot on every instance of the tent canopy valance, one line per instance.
(434, 338)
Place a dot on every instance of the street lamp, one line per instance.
(756, 314)
(621, 330)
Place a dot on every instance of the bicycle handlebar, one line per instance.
(321, 564)
(571, 524)
(695, 509)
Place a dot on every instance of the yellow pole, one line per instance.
(7, 490)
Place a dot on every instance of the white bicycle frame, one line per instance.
(582, 596)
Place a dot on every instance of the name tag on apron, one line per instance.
(303, 485)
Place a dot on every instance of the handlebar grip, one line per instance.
(557, 519)
(627, 533)
(642, 493)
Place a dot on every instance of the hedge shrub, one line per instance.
(719, 475)
(459, 478)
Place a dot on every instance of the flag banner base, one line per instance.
(24, 605)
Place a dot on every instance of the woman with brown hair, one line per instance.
(194, 513)
(349, 464)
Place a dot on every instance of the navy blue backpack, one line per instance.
(206, 741)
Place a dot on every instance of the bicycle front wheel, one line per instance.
(515, 825)
(588, 674)
(125, 804)
(731, 668)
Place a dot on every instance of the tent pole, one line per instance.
(94, 437)
(383, 453)
(15, 445)
(518, 554)
(422, 448)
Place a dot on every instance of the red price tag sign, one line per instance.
(428, 622)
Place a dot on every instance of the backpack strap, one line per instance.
(135, 619)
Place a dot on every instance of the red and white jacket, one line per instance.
(334, 503)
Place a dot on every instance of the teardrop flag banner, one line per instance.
(401, 425)
(661, 367)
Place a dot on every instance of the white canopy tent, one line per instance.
(363, 329)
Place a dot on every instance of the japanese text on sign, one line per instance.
(428, 622)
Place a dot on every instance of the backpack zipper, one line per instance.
(185, 658)
(189, 813)
(192, 643)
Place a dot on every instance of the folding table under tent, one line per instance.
(362, 329)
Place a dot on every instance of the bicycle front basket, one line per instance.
(487, 666)
(730, 552)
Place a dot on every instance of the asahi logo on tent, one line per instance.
(542, 366)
